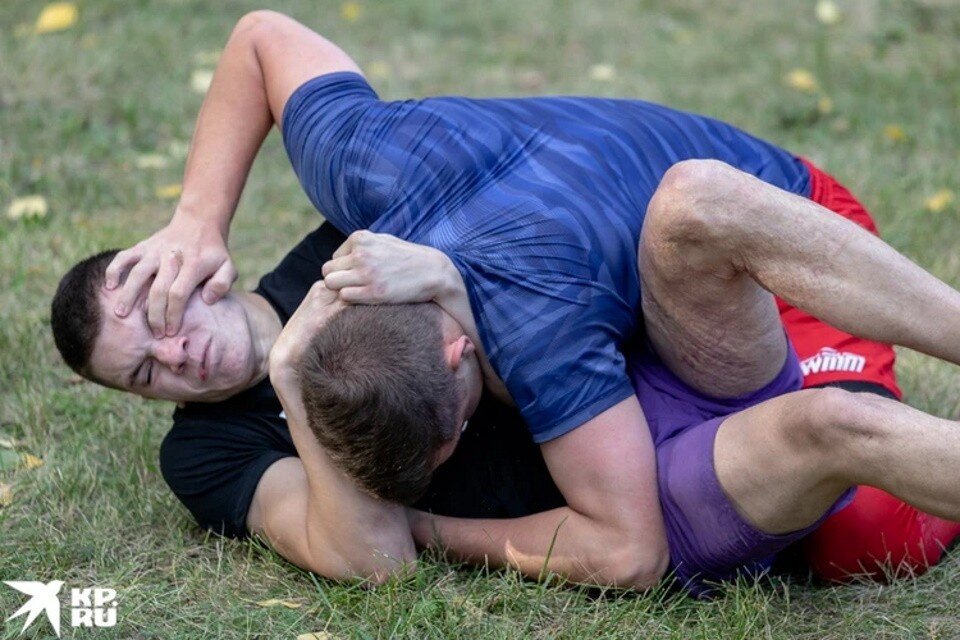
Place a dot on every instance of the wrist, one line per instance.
(205, 216)
(449, 281)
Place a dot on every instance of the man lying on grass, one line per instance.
(539, 204)
(233, 463)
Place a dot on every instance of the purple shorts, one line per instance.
(709, 541)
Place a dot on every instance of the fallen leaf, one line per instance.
(31, 461)
(828, 13)
(602, 72)
(56, 16)
(151, 161)
(200, 80)
(316, 635)
(27, 207)
(801, 80)
(9, 460)
(894, 133)
(273, 602)
(351, 11)
(6, 495)
(939, 201)
(6, 443)
(825, 105)
(169, 191)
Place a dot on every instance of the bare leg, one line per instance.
(715, 244)
(716, 240)
(786, 461)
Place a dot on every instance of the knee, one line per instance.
(834, 424)
(684, 206)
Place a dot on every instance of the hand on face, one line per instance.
(210, 358)
(377, 268)
(179, 258)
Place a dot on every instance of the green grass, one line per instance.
(78, 107)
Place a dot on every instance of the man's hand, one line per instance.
(377, 268)
(178, 258)
(317, 308)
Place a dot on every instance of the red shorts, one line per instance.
(876, 535)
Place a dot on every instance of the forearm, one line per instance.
(561, 541)
(349, 534)
(232, 124)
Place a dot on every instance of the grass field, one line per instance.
(96, 119)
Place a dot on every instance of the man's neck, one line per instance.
(265, 327)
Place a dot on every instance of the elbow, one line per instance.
(638, 566)
(258, 18)
(376, 562)
(642, 569)
(370, 570)
(262, 23)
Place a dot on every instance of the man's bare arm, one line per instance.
(266, 58)
(612, 530)
(610, 534)
(312, 513)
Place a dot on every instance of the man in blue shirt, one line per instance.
(539, 204)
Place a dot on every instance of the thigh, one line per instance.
(769, 463)
(714, 327)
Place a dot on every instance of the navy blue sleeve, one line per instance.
(331, 131)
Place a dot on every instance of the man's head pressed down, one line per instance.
(386, 389)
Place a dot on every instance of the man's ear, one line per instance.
(457, 350)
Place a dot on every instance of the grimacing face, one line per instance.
(211, 358)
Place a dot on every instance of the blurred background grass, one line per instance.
(96, 118)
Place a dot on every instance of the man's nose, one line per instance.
(172, 352)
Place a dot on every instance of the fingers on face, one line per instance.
(183, 286)
(121, 262)
(157, 298)
(219, 283)
(139, 275)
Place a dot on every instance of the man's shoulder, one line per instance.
(258, 400)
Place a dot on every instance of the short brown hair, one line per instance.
(75, 316)
(380, 397)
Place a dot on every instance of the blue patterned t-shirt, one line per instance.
(539, 203)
